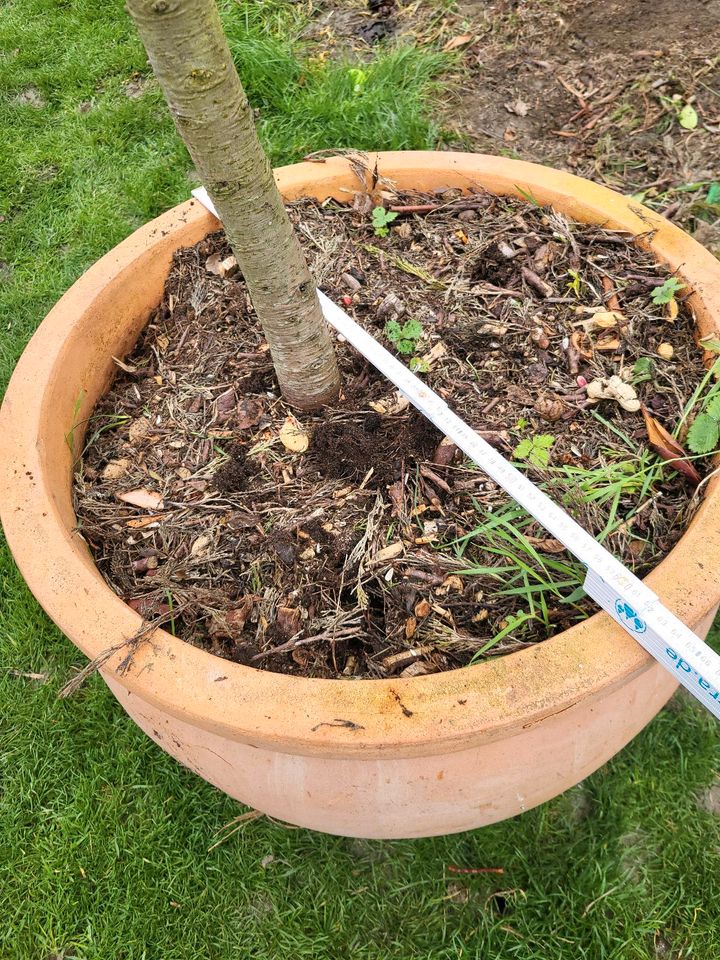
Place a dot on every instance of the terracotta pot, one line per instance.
(371, 758)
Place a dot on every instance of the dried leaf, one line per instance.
(115, 469)
(607, 343)
(127, 367)
(456, 42)
(148, 607)
(249, 413)
(147, 499)
(582, 343)
(417, 669)
(605, 319)
(545, 544)
(422, 609)
(138, 430)
(219, 266)
(519, 107)
(389, 406)
(550, 408)
(293, 436)
(225, 403)
(200, 545)
(454, 583)
(668, 448)
(436, 352)
(288, 620)
(430, 532)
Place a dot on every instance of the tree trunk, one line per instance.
(191, 59)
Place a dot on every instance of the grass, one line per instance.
(103, 838)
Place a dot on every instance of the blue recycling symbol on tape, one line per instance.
(629, 617)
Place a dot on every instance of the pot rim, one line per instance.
(439, 712)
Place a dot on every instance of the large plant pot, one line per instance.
(422, 756)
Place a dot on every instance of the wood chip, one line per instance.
(140, 522)
(536, 282)
(391, 552)
(398, 661)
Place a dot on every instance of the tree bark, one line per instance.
(189, 53)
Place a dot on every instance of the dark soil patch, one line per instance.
(376, 551)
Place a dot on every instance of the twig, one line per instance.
(349, 628)
(536, 282)
(132, 643)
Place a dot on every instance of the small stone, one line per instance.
(467, 215)
(666, 351)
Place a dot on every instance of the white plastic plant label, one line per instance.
(613, 587)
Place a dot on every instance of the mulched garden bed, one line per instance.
(355, 542)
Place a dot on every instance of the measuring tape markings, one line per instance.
(613, 587)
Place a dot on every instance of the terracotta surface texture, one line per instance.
(374, 758)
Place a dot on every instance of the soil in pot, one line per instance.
(356, 543)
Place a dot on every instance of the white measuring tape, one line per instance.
(618, 591)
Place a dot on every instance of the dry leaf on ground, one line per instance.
(147, 499)
(668, 448)
(456, 42)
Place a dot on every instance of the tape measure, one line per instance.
(610, 584)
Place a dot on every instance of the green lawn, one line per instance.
(103, 838)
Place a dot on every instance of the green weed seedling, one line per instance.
(642, 370)
(404, 338)
(704, 433)
(535, 450)
(574, 285)
(380, 220)
(666, 292)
